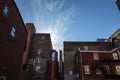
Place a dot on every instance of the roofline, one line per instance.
(117, 1)
(84, 42)
(42, 33)
(20, 19)
(116, 33)
(19, 14)
(91, 51)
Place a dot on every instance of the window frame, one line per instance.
(98, 71)
(107, 68)
(86, 48)
(37, 68)
(6, 7)
(39, 51)
(96, 56)
(115, 56)
(53, 56)
(86, 69)
(117, 71)
(13, 31)
(43, 37)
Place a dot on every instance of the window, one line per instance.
(39, 51)
(86, 69)
(70, 72)
(98, 71)
(37, 68)
(30, 61)
(95, 56)
(40, 43)
(43, 37)
(40, 60)
(118, 52)
(27, 67)
(115, 56)
(13, 32)
(86, 48)
(77, 76)
(34, 62)
(117, 68)
(107, 69)
(53, 56)
(5, 10)
(116, 42)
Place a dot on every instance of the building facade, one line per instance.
(26, 71)
(31, 32)
(115, 38)
(13, 40)
(52, 66)
(91, 61)
(40, 53)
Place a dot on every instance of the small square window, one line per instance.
(13, 32)
(5, 10)
(86, 48)
(43, 37)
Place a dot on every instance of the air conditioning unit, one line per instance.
(2, 78)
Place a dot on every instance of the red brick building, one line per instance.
(40, 53)
(13, 40)
(31, 32)
(94, 61)
(52, 66)
(26, 72)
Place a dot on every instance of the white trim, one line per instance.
(99, 51)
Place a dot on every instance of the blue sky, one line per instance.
(71, 20)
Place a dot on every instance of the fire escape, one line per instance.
(107, 66)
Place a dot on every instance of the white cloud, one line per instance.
(52, 17)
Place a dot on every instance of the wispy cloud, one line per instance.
(51, 16)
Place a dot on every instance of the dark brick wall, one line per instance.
(11, 49)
